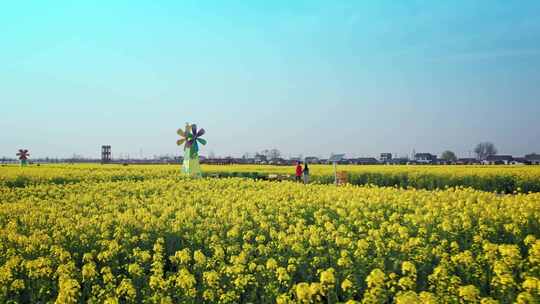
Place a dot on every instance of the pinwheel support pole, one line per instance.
(24, 162)
(191, 165)
(335, 158)
(335, 173)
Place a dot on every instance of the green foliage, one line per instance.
(449, 156)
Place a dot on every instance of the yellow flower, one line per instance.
(185, 279)
(469, 293)
(531, 284)
(183, 256)
(271, 264)
(327, 277)
(408, 268)
(376, 278)
(282, 275)
(211, 278)
(409, 297)
(303, 292)
(346, 285)
(199, 257)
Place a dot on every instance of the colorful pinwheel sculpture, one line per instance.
(191, 138)
(23, 156)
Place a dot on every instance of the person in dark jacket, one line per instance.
(298, 172)
(306, 173)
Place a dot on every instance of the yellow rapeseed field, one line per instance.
(146, 235)
(502, 179)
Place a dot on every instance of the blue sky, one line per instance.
(306, 77)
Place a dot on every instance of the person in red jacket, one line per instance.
(298, 172)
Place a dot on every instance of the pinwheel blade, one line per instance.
(180, 141)
(181, 132)
(201, 132)
(202, 141)
(194, 129)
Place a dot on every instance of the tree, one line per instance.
(260, 156)
(449, 156)
(485, 149)
(274, 153)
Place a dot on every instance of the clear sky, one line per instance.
(306, 77)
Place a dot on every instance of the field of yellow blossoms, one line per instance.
(91, 234)
(501, 179)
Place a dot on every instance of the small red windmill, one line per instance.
(23, 156)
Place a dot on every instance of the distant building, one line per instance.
(397, 161)
(260, 159)
(520, 161)
(295, 159)
(219, 161)
(248, 160)
(425, 158)
(282, 162)
(106, 154)
(440, 161)
(534, 158)
(467, 161)
(385, 157)
(312, 160)
(364, 161)
(498, 160)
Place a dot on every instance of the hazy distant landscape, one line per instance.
(270, 152)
